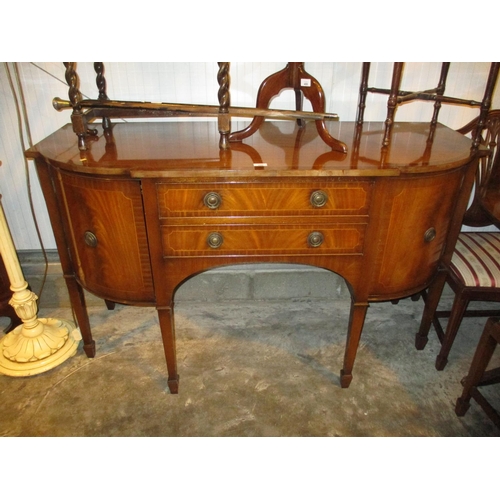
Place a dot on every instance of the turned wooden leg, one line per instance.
(166, 319)
(392, 101)
(77, 299)
(356, 322)
(482, 356)
(457, 313)
(363, 90)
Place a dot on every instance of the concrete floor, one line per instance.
(260, 367)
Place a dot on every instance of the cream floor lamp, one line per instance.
(39, 344)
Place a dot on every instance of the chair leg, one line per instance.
(457, 312)
(482, 356)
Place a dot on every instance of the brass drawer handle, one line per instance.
(315, 239)
(215, 240)
(212, 200)
(318, 199)
(429, 235)
(90, 239)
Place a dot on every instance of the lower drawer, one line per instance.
(332, 239)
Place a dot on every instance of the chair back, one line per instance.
(485, 207)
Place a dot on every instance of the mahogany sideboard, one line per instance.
(147, 205)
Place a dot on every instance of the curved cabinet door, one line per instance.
(107, 235)
(416, 215)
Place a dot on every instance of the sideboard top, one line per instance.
(191, 148)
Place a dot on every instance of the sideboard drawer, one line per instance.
(333, 239)
(340, 198)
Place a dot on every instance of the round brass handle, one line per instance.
(318, 199)
(90, 239)
(212, 200)
(215, 240)
(429, 235)
(315, 239)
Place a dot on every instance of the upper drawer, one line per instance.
(333, 198)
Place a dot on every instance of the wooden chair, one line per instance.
(396, 96)
(478, 375)
(474, 273)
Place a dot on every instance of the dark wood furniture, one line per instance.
(86, 111)
(293, 76)
(479, 376)
(396, 97)
(147, 205)
(474, 271)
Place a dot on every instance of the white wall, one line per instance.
(191, 83)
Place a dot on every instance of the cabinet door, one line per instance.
(415, 217)
(107, 235)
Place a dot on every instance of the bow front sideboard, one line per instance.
(148, 205)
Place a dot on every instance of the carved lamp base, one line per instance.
(37, 345)
(24, 356)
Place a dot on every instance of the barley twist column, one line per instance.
(223, 95)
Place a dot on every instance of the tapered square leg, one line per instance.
(431, 304)
(356, 322)
(166, 319)
(77, 298)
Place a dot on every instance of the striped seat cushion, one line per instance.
(476, 260)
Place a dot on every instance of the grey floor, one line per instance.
(259, 367)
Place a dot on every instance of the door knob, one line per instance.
(90, 239)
